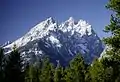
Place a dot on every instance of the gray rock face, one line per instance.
(60, 41)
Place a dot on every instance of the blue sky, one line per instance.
(18, 16)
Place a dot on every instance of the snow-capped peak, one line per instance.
(43, 29)
(71, 19)
(81, 26)
(50, 20)
(60, 41)
(40, 30)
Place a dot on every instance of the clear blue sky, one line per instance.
(18, 16)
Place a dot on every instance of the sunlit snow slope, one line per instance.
(60, 41)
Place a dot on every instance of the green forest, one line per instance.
(104, 69)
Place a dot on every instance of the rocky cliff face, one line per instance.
(60, 41)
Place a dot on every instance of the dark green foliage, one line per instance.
(69, 76)
(13, 68)
(76, 71)
(1, 65)
(112, 63)
(47, 71)
(59, 73)
(1, 58)
(114, 26)
(102, 71)
(32, 74)
(97, 71)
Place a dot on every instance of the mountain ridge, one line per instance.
(59, 41)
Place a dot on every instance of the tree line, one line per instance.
(101, 70)
(104, 69)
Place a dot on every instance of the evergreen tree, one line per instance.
(13, 68)
(113, 42)
(108, 70)
(2, 65)
(76, 70)
(69, 75)
(47, 72)
(87, 74)
(101, 70)
(97, 71)
(38, 74)
(32, 74)
(59, 73)
(114, 26)
(27, 72)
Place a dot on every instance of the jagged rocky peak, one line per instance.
(6, 43)
(72, 25)
(71, 19)
(60, 41)
(50, 20)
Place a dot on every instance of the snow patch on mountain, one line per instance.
(55, 41)
(60, 41)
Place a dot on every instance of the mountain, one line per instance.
(60, 41)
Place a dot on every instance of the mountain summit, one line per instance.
(60, 41)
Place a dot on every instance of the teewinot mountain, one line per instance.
(59, 41)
